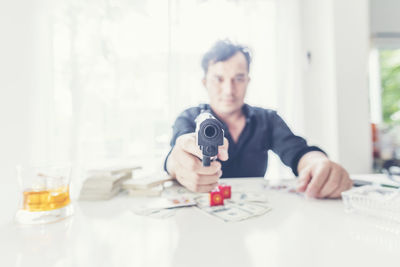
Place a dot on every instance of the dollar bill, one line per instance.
(227, 212)
(234, 212)
(255, 209)
(241, 206)
(239, 197)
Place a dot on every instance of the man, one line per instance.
(249, 133)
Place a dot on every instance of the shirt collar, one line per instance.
(248, 111)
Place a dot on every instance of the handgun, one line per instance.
(209, 135)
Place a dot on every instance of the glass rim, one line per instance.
(56, 164)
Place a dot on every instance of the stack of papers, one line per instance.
(148, 186)
(103, 184)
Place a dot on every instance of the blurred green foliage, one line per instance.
(390, 79)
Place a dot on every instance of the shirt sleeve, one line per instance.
(183, 124)
(288, 146)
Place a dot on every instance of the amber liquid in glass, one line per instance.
(47, 199)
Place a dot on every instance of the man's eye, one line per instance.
(239, 79)
(218, 79)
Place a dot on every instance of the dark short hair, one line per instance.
(223, 50)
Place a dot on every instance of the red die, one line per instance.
(225, 190)
(216, 198)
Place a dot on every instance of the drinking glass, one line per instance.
(44, 193)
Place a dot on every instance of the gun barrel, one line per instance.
(210, 131)
(209, 135)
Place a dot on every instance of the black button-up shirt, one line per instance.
(264, 130)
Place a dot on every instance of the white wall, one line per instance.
(16, 82)
(318, 76)
(352, 56)
(336, 33)
(24, 74)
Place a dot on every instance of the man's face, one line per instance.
(226, 83)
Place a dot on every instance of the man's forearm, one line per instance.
(309, 158)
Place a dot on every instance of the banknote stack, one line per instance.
(103, 184)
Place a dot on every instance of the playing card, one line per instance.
(155, 206)
(175, 189)
(203, 200)
(287, 186)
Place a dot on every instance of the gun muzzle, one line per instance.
(209, 135)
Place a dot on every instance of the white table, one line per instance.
(297, 232)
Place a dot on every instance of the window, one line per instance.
(123, 70)
(385, 106)
(390, 80)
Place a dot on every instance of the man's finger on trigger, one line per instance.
(223, 150)
(226, 144)
(214, 167)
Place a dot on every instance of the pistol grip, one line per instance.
(206, 161)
